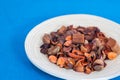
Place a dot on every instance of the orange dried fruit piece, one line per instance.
(68, 43)
(87, 55)
(75, 56)
(79, 67)
(61, 61)
(84, 63)
(74, 51)
(52, 58)
(87, 70)
(68, 38)
(70, 62)
(111, 55)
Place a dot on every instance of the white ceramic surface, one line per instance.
(34, 40)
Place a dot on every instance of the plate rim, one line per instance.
(53, 74)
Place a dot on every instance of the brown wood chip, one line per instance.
(78, 38)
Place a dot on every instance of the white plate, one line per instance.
(34, 40)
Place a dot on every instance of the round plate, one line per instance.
(34, 41)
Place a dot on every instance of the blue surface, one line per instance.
(18, 17)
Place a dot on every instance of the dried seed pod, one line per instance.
(67, 49)
(98, 62)
(44, 48)
(103, 55)
(99, 51)
(54, 43)
(93, 55)
(46, 38)
(44, 51)
(98, 67)
(53, 50)
(54, 34)
(96, 42)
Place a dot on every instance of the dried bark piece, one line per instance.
(78, 38)
(116, 48)
(111, 42)
(90, 33)
(113, 45)
(89, 37)
(61, 39)
(62, 30)
(70, 32)
(44, 48)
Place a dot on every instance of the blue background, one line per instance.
(18, 17)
